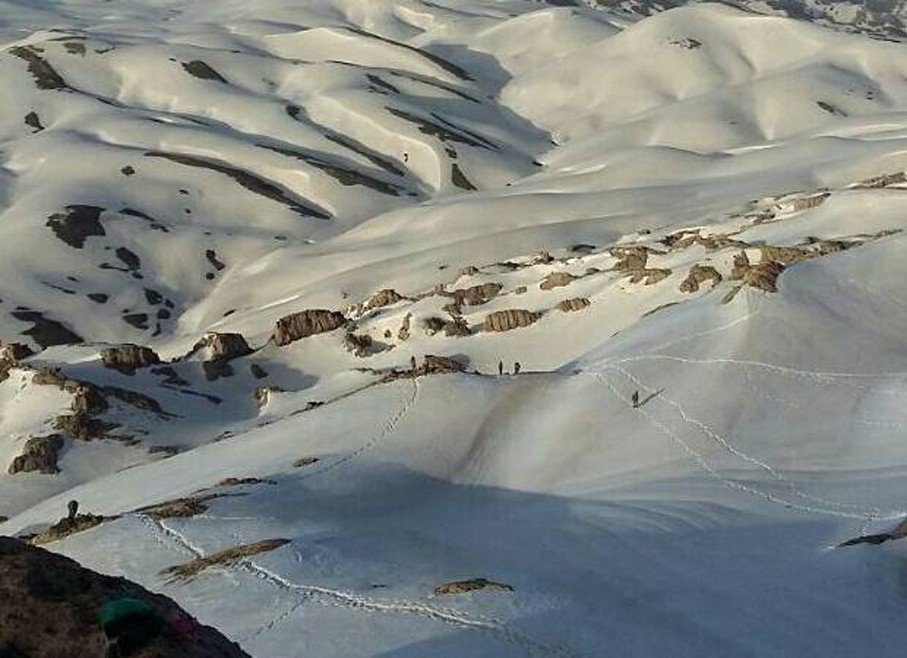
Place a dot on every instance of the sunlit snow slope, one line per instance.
(607, 312)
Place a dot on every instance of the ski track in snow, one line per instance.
(387, 428)
(826, 507)
(169, 536)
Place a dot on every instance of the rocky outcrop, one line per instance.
(306, 323)
(698, 275)
(688, 238)
(472, 585)
(575, 304)
(88, 400)
(226, 557)
(128, 358)
(13, 353)
(436, 365)
(39, 455)
(82, 426)
(632, 261)
(887, 180)
(510, 319)
(457, 327)
(763, 275)
(382, 298)
(50, 606)
(68, 526)
(476, 295)
(557, 280)
(222, 347)
(363, 345)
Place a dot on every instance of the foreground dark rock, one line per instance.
(50, 606)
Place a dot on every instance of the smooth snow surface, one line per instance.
(701, 208)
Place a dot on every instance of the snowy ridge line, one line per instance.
(871, 511)
(339, 598)
(389, 426)
(749, 315)
(703, 463)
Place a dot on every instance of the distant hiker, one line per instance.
(500, 367)
(635, 399)
(516, 367)
(406, 157)
(73, 509)
(412, 363)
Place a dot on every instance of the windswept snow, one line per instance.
(602, 305)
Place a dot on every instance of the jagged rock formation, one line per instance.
(763, 275)
(698, 275)
(39, 455)
(510, 319)
(222, 346)
(306, 323)
(382, 298)
(632, 262)
(49, 608)
(128, 358)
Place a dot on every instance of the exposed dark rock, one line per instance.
(557, 280)
(434, 365)
(39, 455)
(45, 332)
(203, 71)
(226, 557)
(49, 608)
(32, 120)
(465, 586)
(77, 224)
(306, 323)
(82, 426)
(128, 357)
(13, 353)
(249, 181)
(476, 295)
(698, 275)
(43, 73)
(222, 347)
(575, 304)
(383, 298)
(510, 319)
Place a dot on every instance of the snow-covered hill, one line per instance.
(881, 19)
(464, 327)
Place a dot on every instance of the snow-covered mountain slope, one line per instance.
(881, 19)
(465, 327)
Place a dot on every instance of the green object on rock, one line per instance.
(119, 608)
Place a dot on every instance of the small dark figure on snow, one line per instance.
(516, 367)
(500, 367)
(635, 399)
(73, 509)
(412, 363)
